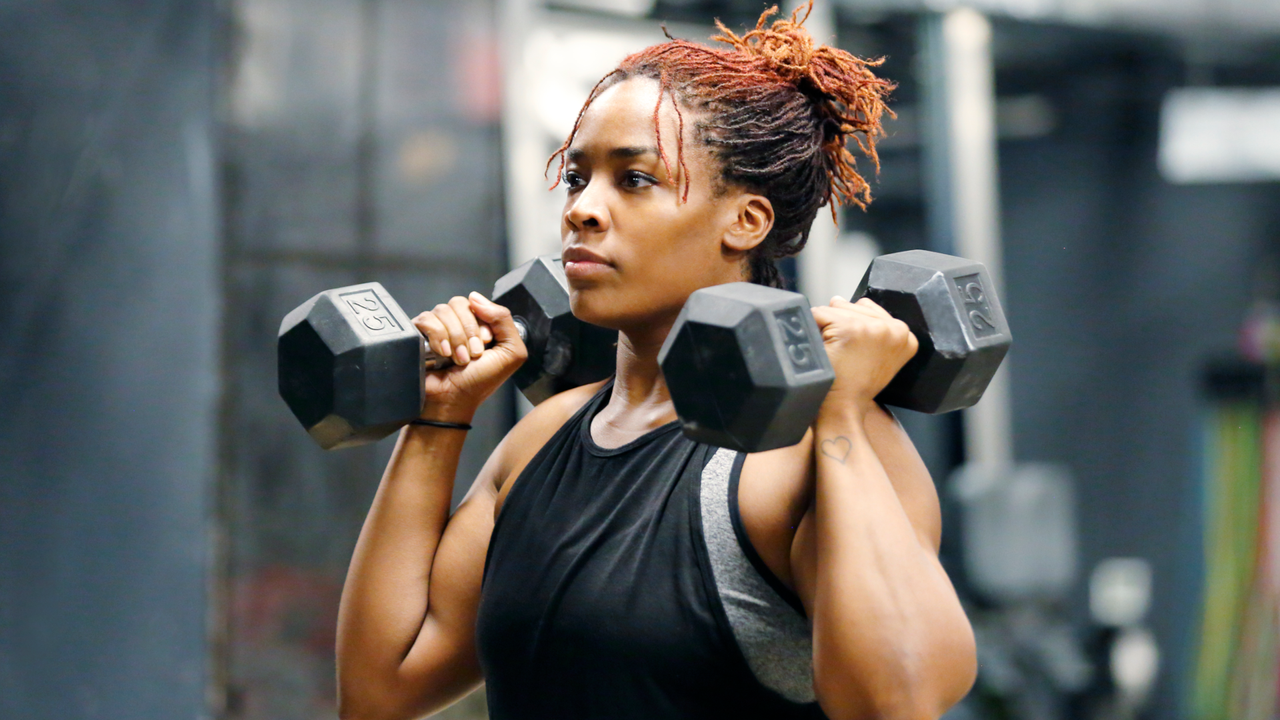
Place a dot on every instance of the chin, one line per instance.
(593, 306)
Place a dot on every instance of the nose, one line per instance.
(587, 210)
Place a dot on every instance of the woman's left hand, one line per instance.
(867, 347)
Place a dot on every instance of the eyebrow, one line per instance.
(624, 153)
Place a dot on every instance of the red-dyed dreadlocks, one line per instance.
(777, 113)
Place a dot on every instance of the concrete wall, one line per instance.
(108, 356)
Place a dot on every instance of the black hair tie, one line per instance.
(440, 424)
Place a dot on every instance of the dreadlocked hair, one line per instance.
(777, 112)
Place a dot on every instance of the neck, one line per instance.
(639, 381)
(639, 401)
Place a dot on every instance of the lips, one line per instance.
(583, 264)
(579, 254)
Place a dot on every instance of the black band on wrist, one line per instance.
(440, 424)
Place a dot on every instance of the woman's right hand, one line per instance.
(461, 329)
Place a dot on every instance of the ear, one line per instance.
(752, 224)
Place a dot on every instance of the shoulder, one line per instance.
(534, 430)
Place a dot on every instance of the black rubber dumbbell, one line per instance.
(351, 362)
(951, 305)
(747, 369)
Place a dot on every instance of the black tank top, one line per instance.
(598, 599)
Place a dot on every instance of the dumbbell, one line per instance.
(747, 370)
(351, 362)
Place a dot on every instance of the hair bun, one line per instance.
(786, 46)
(848, 95)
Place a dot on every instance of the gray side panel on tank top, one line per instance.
(775, 639)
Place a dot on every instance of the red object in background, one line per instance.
(281, 603)
(1260, 333)
(478, 75)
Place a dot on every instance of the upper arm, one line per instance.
(445, 653)
(443, 659)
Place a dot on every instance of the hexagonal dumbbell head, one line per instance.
(564, 352)
(951, 305)
(350, 365)
(351, 361)
(746, 367)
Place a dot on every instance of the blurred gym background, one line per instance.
(175, 175)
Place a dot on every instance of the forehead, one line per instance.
(622, 115)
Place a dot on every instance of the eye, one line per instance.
(634, 179)
(572, 180)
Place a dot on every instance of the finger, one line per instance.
(497, 317)
(462, 306)
(824, 315)
(862, 306)
(870, 319)
(844, 308)
(913, 342)
(486, 334)
(435, 333)
(871, 306)
(457, 337)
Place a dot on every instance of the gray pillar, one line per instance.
(961, 185)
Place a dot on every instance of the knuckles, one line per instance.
(853, 328)
(425, 322)
(520, 352)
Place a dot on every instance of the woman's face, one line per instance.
(632, 250)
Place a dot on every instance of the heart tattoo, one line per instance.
(837, 448)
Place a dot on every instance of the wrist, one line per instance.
(432, 439)
(449, 414)
(844, 410)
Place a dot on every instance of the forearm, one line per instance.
(385, 599)
(890, 636)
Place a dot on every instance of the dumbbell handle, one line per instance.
(436, 362)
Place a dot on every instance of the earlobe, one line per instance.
(752, 225)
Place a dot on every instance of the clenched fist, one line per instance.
(867, 347)
(461, 329)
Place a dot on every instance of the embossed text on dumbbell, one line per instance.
(975, 302)
(796, 340)
(371, 312)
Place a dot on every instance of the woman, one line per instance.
(603, 565)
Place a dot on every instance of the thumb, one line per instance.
(497, 317)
